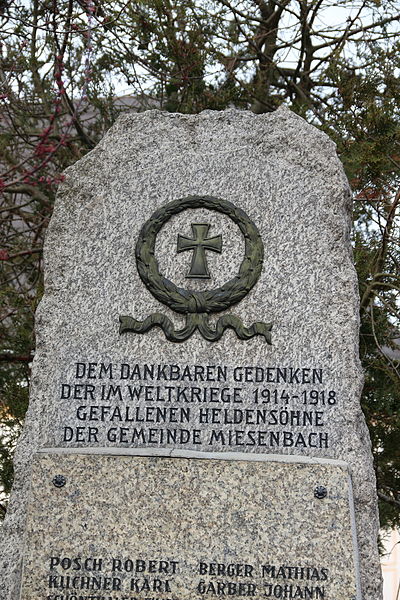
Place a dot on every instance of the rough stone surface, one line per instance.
(286, 176)
(262, 515)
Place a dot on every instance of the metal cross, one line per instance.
(199, 244)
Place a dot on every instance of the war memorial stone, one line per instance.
(195, 429)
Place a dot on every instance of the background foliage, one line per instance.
(68, 68)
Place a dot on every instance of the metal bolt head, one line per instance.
(59, 481)
(320, 492)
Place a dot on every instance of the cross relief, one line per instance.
(199, 244)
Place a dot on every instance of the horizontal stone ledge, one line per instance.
(180, 453)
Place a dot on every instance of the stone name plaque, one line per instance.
(180, 529)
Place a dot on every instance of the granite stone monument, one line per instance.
(195, 429)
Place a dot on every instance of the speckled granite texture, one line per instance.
(298, 396)
(183, 527)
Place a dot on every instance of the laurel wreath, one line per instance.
(188, 301)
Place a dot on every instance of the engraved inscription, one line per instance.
(83, 575)
(200, 407)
